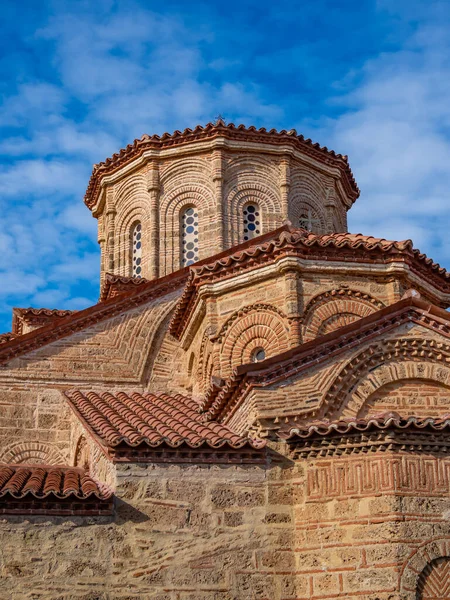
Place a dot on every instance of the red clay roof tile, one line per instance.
(36, 316)
(137, 419)
(226, 398)
(43, 480)
(372, 422)
(50, 490)
(290, 241)
(213, 130)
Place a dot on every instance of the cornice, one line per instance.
(36, 316)
(152, 145)
(339, 249)
(376, 433)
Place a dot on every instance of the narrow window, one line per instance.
(309, 220)
(252, 221)
(189, 236)
(136, 250)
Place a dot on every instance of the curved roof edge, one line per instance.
(210, 131)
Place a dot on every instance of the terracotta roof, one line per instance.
(376, 433)
(116, 285)
(386, 420)
(48, 489)
(290, 241)
(211, 131)
(223, 402)
(7, 337)
(36, 317)
(123, 294)
(143, 421)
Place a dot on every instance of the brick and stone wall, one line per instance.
(311, 529)
(218, 183)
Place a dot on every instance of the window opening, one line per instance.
(136, 241)
(309, 220)
(258, 355)
(189, 237)
(252, 221)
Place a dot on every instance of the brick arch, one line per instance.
(426, 567)
(207, 361)
(132, 206)
(300, 205)
(32, 453)
(238, 196)
(334, 309)
(307, 189)
(170, 210)
(176, 174)
(434, 581)
(387, 361)
(255, 326)
(415, 395)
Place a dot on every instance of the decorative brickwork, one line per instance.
(418, 397)
(434, 582)
(269, 422)
(334, 309)
(32, 453)
(259, 326)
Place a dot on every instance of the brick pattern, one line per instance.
(434, 583)
(417, 397)
(256, 327)
(218, 183)
(358, 477)
(336, 308)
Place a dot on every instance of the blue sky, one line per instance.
(81, 79)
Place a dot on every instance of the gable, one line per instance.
(337, 373)
(117, 348)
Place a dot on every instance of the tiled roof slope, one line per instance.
(372, 422)
(223, 401)
(121, 294)
(291, 241)
(36, 317)
(211, 131)
(128, 425)
(42, 489)
(116, 285)
(7, 337)
(377, 433)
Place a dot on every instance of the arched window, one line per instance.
(309, 220)
(136, 250)
(252, 221)
(189, 236)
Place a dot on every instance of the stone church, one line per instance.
(258, 406)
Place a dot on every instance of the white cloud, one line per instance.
(28, 178)
(394, 128)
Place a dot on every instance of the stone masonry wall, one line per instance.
(217, 532)
(363, 519)
(315, 529)
(219, 184)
